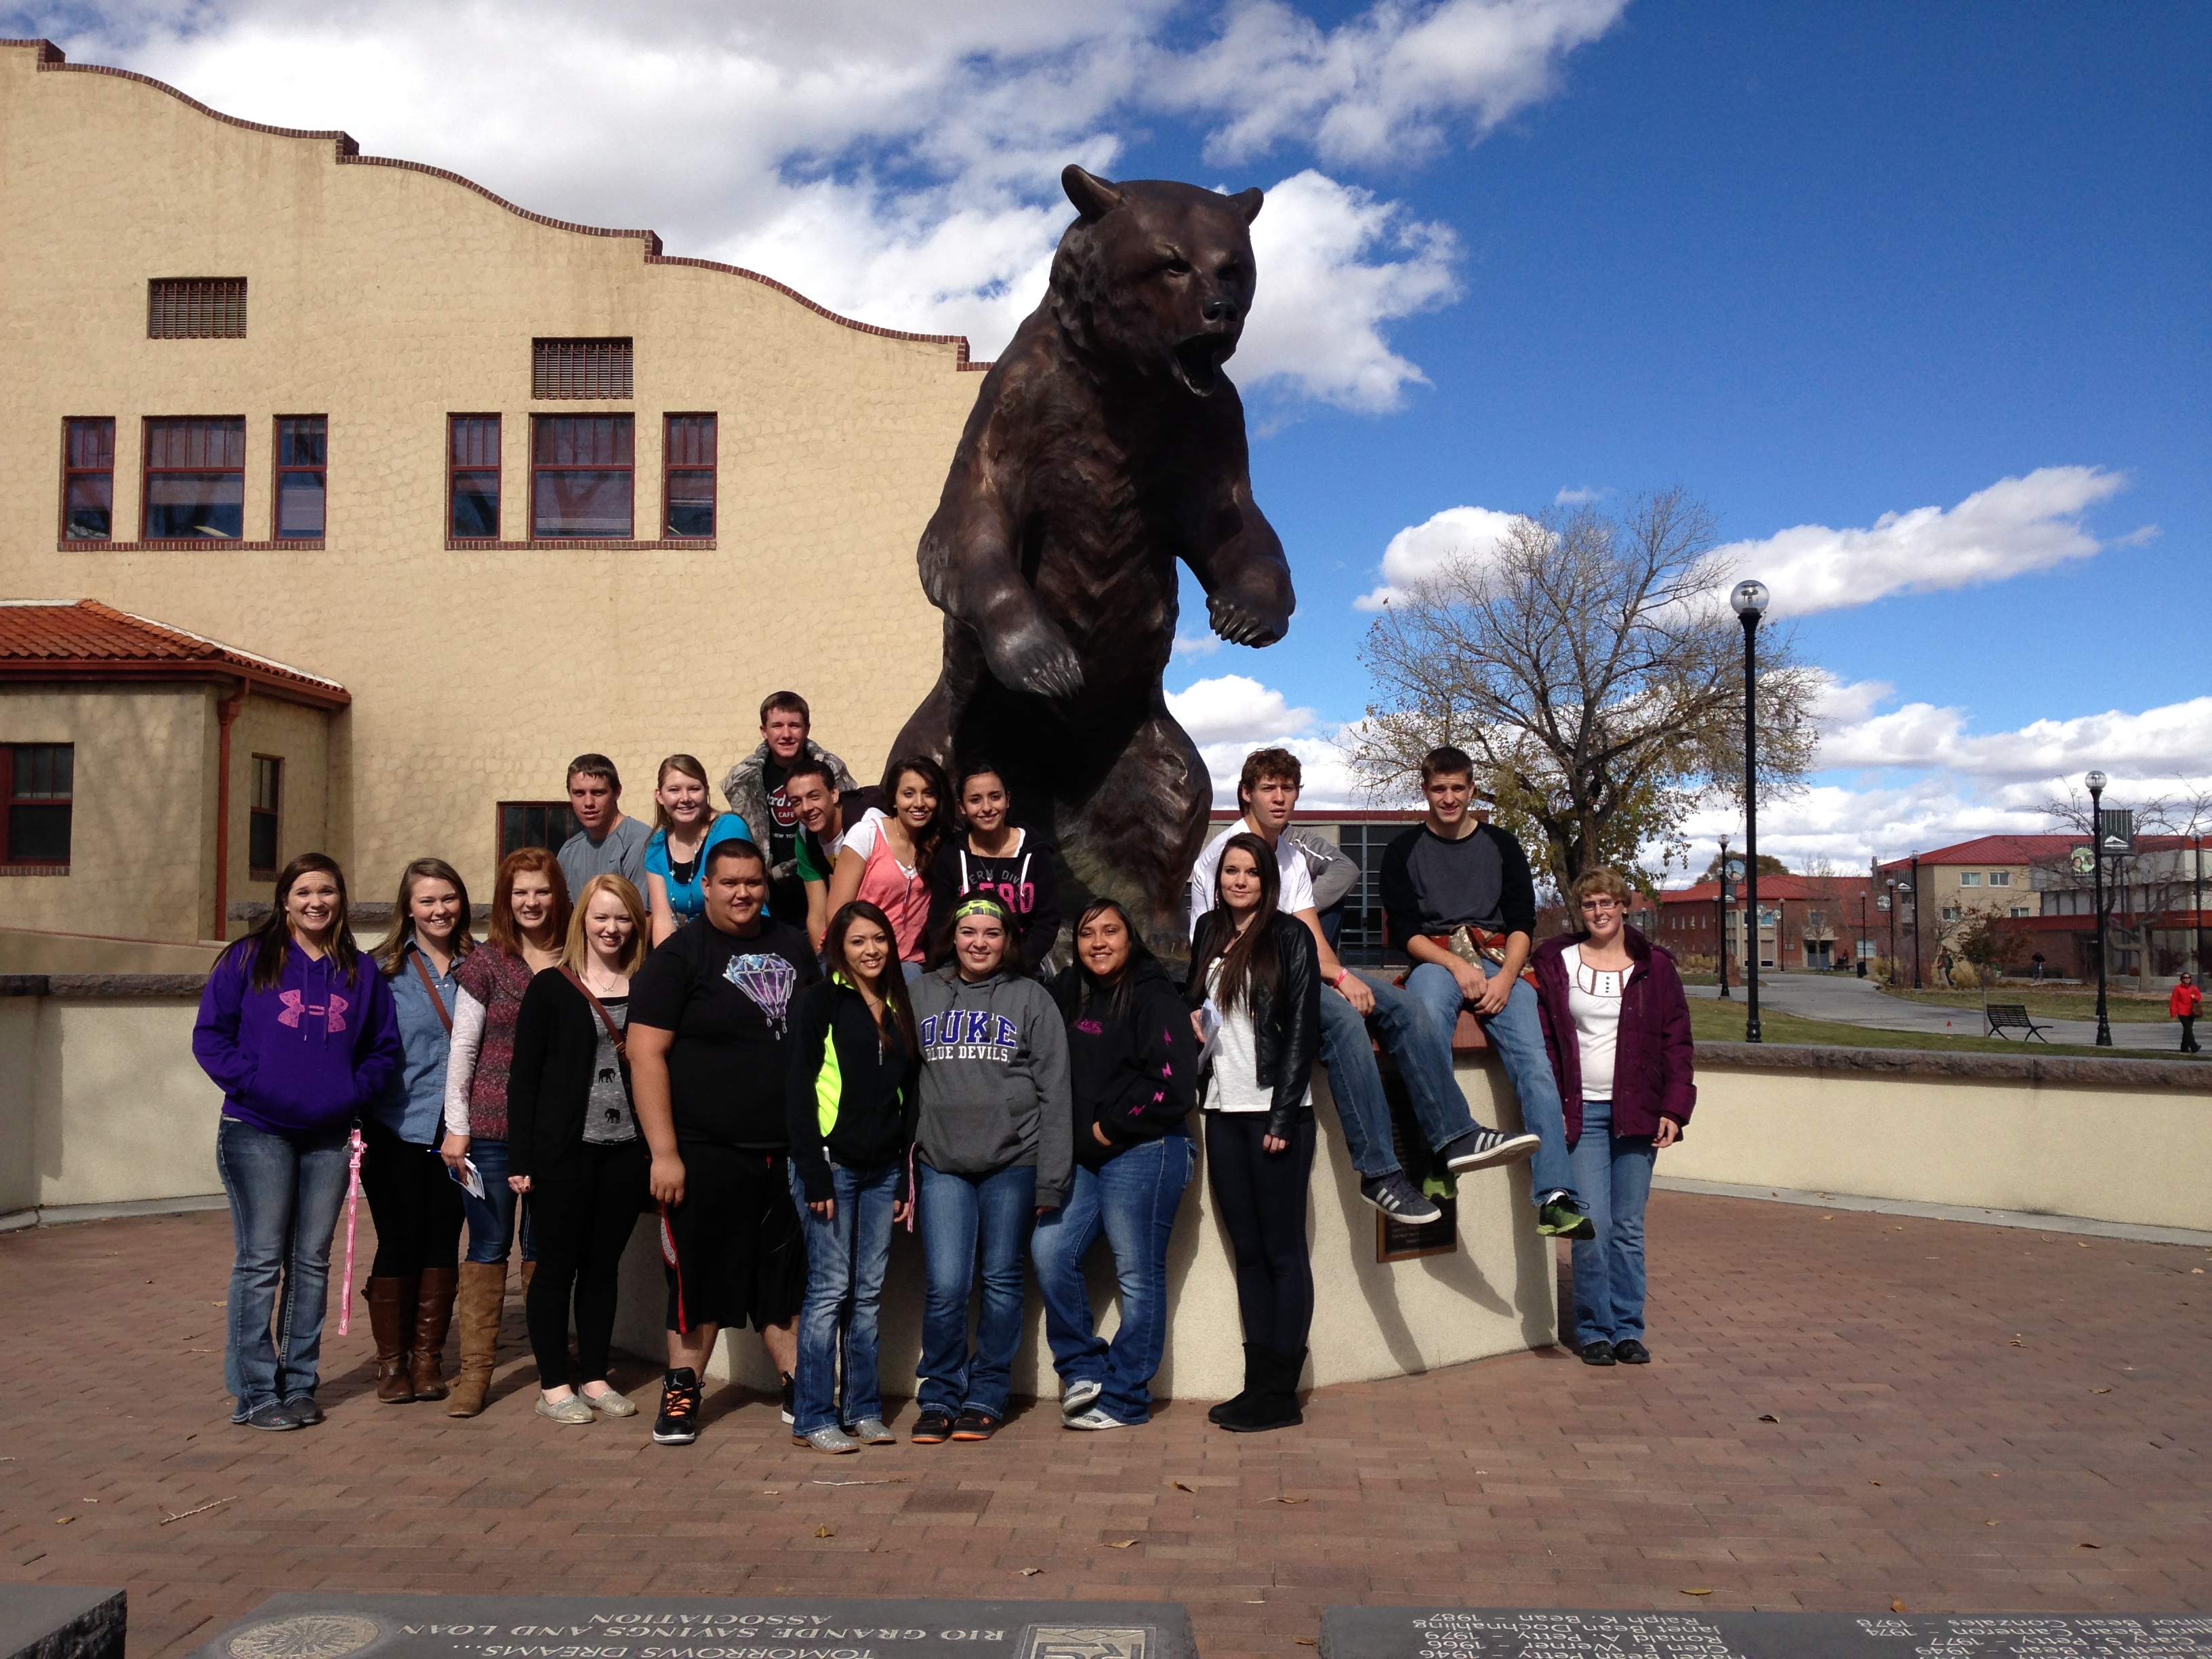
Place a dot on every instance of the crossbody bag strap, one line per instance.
(614, 1031)
(444, 1015)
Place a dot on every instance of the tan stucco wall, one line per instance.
(144, 807)
(298, 736)
(387, 298)
(1495, 1295)
(2108, 1154)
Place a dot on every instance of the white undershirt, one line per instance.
(1236, 1081)
(1594, 1001)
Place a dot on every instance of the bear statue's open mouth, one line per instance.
(1198, 361)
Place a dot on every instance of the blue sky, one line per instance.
(1817, 264)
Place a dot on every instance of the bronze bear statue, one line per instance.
(1105, 445)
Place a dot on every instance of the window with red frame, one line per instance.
(196, 478)
(88, 479)
(581, 477)
(544, 823)
(688, 490)
(36, 780)
(472, 477)
(302, 477)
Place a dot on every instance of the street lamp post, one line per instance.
(2095, 781)
(1720, 912)
(1750, 599)
(1889, 903)
(1917, 983)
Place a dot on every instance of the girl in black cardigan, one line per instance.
(1257, 972)
(573, 1143)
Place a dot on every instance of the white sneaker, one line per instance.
(1094, 1419)
(1077, 1397)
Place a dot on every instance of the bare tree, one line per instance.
(1592, 667)
(2144, 890)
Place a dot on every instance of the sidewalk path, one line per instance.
(1849, 1000)
(1845, 1410)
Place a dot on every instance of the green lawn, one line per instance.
(1714, 1021)
(2148, 1009)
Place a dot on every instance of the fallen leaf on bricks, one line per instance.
(1899, 1606)
(1178, 1485)
(2196, 1270)
(1305, 1641)
(1293, 1500)
(2091, 1546)
(1031, 1572)
(63, 1520)
(1121, 1543)
(2017, 1343)
(2101, 1391)
(1873, 1483)
(1769, 1417)
(824, 1532)
(1697, 1592)
(1989, 1523)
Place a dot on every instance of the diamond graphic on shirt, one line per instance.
(769, 980)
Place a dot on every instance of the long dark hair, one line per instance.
(1088, 986)
(891, 984)
(271, 942)
(925, 843)
(1249, 960)
(979, 768)
(394, 955)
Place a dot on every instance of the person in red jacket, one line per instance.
(1617, 1029)
(2183, 1004)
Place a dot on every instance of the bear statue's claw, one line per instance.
(1237, 625)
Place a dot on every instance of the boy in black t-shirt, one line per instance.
(755, 789)
(707, 1041)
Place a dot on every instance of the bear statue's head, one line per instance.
(1156, 277)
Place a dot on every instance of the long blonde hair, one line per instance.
(576, 952)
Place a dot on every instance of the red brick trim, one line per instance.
(657, 544)
(193, 545)
(50, 58)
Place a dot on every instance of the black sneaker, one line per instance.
(1486, 1149)
(1399, 1199)
(790, 1394)
(678, 1422)
(932, 1428)
(974, 1424)
(304, 1412)
(1599, 1354)
(275, 1415)
(1631, 1353)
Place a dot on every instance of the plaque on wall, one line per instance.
(1401, 1241)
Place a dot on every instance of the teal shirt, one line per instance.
(688, 899)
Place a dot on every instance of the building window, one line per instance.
(687, 491)
(1950, 913)
(579, 368)
(196, 308)
(2021, 910)
(301, 449)
(196, 479)
(36, 780)
(2000, 878)
(88, 480)
(1970, 878)
(580, 477)
(1816, 920)
(265, 816)
(472, 477)
(544, 823)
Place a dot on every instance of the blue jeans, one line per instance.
(961, 1215)
(285, 1193)
(845, 1261)
(1516, 1033)
(491, 1217)
(1133, 1200)
(1614, 1171)
(1356, 1083)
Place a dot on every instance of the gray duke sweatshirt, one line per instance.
(994, 1079)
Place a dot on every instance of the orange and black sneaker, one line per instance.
(678, 1422)
(931, 1428)
(974, 1425)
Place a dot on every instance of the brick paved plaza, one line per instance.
(1966, 1419)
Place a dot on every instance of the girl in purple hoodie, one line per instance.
(298, 1029)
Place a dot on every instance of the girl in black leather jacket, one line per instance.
(1255, 969)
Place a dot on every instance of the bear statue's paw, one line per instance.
(1036, 660)
(1238, 625)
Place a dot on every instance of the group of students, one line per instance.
(788, 1044)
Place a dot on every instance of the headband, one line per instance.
(981, 904)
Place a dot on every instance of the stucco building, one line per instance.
(522, 487)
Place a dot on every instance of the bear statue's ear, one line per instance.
(1093, 196)
(1247, 202)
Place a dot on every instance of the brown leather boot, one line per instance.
(433, 1315)
(391, 1312)
(481, 1299)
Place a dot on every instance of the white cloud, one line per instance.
(895, 161)
(1422, 549)
(1581, 495)
(2174, 740)
(2014, 527)
(1236, 707)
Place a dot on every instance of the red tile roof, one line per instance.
(1995, 849)
(83, 639)
(1813, 888)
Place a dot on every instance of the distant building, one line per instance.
(1805, 923)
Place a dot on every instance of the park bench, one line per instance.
(2012, 1016)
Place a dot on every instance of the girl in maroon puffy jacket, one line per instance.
(1617, 1027)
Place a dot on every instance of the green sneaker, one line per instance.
(1557, 1221)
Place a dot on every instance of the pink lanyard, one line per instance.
(355, 1145)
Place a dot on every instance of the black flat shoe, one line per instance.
(1631, 1353)
(1598, 1353)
